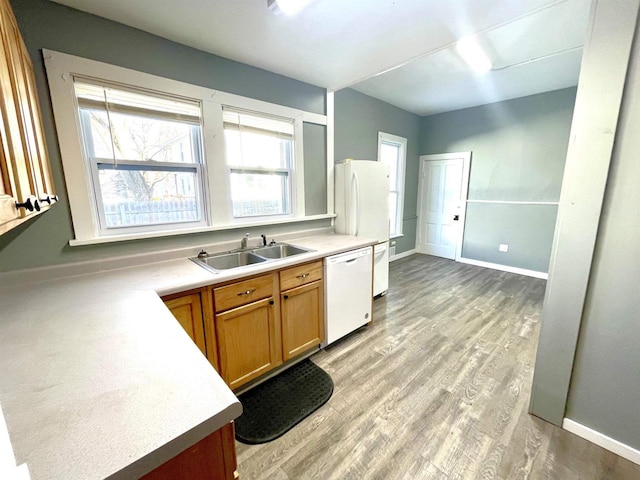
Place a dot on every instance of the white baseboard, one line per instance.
(505, 268)
(402, 255)
(625, 451)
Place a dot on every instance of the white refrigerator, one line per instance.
(362, 209)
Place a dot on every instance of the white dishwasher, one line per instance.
(348, 292)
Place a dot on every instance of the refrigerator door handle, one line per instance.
(357, 195)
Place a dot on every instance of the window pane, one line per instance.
(393, 212)
(137, 137)
(133, 197)
(253, 150)
(259, 154)
(254, 194)
(389, 154)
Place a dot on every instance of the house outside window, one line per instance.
(392, 150)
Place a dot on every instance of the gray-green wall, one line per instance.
(518, 153)
(358, 119)
(604, 393)
(44, 24)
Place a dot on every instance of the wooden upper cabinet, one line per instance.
(26, 188)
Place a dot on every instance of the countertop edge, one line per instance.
(169, 450)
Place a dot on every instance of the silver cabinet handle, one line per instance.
(247, 292)
(304, 275)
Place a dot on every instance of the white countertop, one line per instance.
(98, 379)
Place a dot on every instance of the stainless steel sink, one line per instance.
(229, 260)
(226, 261)
(279, 251)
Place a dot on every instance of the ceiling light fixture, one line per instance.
(288, 7)
(473, 54)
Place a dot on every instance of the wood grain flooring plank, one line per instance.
(436, 388)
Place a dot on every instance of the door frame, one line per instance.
(466, 170)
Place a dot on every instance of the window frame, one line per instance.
(292, 173)
(217, 208)
(401, 143)
(94, 162)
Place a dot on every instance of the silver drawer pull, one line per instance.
(247, 292)
(304, 275)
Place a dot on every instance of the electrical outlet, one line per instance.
(503, 247)
(393, 243)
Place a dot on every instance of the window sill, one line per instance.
(169, 233)
(397, 235)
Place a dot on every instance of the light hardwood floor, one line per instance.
(438, 387)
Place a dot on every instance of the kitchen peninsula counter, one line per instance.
(98, 379)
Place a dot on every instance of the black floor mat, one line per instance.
(274, 407)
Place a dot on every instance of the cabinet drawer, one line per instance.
(300, 275)
(243, 292)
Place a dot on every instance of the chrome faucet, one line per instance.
(243, 242)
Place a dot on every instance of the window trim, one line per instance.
(402, 143)
(217, 209)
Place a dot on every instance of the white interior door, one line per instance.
(442, 203)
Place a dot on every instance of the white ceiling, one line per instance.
(340, 43)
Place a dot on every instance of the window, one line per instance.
(145, 156)
(392, 150)
(259, 153)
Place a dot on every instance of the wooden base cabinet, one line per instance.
(248, 342)
(302, 305)
(247, 322)
(190, 314)
(212, 458)
(188, 311)
(248, 327)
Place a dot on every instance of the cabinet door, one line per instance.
(13, 159)
(188, 311)
(248, 342)
(34, 132)
(213, 457)
(25, 175)
(302, 319)
(8, 193)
